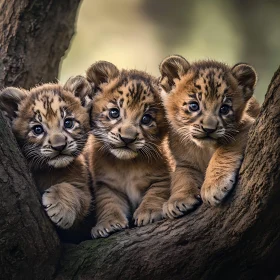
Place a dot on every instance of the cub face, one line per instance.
(127, 114)
(49, 122)
(205, 101)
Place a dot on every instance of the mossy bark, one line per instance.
(238, 240)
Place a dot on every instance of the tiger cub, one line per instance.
(210, 109)
(51, 127)
(127, 159)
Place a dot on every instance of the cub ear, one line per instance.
(10, 98)
(102, 72)
(172, 67)
(247, 78)
(80, 87)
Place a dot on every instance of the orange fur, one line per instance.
(210, 110)
(51, 126)
(127, 157)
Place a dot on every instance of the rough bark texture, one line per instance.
(238, 240)
(34, 35)
(29, 246)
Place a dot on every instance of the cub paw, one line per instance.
(213, 193)
(105, 228)
(143, 216)
(176, 207)
(58, 212)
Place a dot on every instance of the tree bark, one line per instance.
(29, 246)
(238, 240)
(34, 35)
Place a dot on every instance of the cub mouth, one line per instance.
(60, 160)
(124, 152)
(204, 138)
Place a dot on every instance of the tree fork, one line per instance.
(238, 240)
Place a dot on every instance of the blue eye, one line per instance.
(193, 106)
(114, 113)
(68, 123)
(225, 109)
(38, 129)
(146, 119)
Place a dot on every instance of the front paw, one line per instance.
(213, 192)
(105, 228)
(143, 216)
(177, 206)
(57, 210)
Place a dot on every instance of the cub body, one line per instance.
(51, 127)
(210, 110)
(127, 158)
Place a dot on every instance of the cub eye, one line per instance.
(68, 123)
(224, 110)
(193, 106)
(114, 113)
(38, 129)
(146, 119)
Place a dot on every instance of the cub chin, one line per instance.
(210, 109)
(127, 158)
(51, 127)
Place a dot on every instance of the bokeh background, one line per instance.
(140, 33)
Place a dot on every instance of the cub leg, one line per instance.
(150, 209)
(185, 192)
(112, 210)
(65, 204)
(221, 174)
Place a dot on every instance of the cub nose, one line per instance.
(58, 142)
(127, 140)
(59, 148)
(208, 130)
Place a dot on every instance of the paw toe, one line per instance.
(175, 208)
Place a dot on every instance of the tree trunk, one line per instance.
(34, 35)
(238, 240)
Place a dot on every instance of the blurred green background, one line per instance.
(140, 33)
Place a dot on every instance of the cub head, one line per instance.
(49, 121)
(127, 115)
(205, 101)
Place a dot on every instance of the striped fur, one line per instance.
(210, 109)
(131, 179)
(53, 151)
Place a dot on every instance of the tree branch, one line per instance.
(238, 240)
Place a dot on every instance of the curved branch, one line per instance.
(238, 240)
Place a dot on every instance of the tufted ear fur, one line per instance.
(172, 67)
(80, 87)
(10, 98)
(102, 72)
(246, 77)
